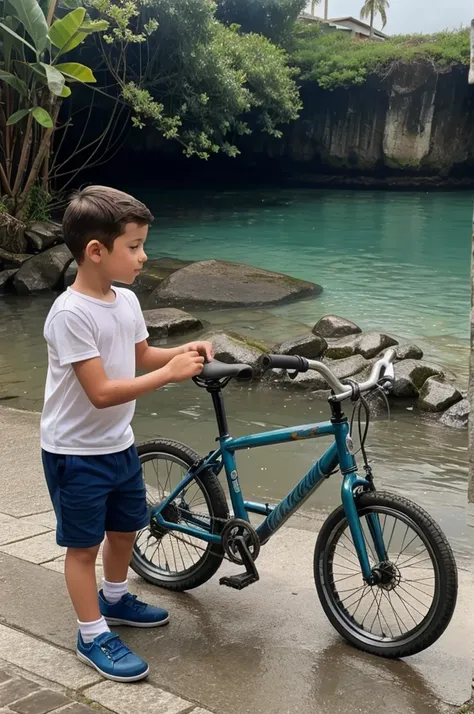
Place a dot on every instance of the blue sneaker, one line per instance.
(130, 611)
(111, 658)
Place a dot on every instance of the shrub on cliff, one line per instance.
(335, 60)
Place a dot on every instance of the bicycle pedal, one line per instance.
(238, 582)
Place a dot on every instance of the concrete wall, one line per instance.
(471, 386)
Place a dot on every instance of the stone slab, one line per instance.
(44, 660)
(18, 530)
(38, 550)
(40, 702)
(47, 519)
(143, 698)
(15, 689)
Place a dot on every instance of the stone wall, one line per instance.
(471, 385)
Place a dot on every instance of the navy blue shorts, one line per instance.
(95, 494)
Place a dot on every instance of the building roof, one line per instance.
(336, 20)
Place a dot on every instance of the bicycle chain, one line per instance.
(198, 547)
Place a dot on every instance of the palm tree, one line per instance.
(371, 9)
(317, 2)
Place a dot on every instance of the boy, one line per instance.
(96, 337)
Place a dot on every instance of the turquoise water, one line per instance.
(390, 261)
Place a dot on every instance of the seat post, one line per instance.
(218, 404)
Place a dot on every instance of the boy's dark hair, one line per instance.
(100, 213)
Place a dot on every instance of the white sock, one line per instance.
(113, 592)
(91, 630)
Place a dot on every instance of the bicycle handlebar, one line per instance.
(341, 391)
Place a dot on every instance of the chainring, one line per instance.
(237, 527)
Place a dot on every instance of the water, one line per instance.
(397, 262)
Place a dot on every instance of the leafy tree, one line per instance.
(371, 9)
(272, 18)
(168, 64)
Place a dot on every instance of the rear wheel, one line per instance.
(171, 559)
(414, 600)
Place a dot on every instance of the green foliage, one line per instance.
(202, 83)
(335, 60)
(38, 205)
(272, 18)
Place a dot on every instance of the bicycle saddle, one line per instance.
(215, 370)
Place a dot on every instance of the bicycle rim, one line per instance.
(404, 604)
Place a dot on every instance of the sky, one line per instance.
(406, 16)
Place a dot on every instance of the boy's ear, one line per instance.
(93, 251)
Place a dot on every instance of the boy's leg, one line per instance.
(127, 512)
(81, 582)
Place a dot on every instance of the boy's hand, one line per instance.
(185, 366)
(204, 348)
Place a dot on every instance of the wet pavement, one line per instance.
(266, 650)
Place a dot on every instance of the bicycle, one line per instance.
(371, 576)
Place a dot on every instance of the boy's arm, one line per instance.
(104, 392)
(151, 358)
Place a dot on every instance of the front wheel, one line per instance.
(414, 600)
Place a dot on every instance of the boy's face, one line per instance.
(127, 258)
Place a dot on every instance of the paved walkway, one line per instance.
(267, 650)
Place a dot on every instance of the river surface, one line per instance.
(397, 262)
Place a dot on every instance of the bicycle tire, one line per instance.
(217, 506)
(438, 617)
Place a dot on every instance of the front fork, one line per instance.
(351, 483)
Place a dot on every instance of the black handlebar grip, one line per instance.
(290, 362)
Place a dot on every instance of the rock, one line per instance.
(6, 280)
(43, 271)
(457, 416)
(12, 235)
(348, 367)
(313, 380)
(234, 349)
(341, 348)
(170, 321)
(406, 352)
(44, 234)
(13, 260)
(309, 345)
(70, 274)
(219, 284)
(437, 395)
(410, 375)
(334, 326)
(155, 271)
(367, 344)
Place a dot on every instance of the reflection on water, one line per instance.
(397, 262)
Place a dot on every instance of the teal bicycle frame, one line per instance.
(338, 455)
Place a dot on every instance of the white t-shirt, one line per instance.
(77, 328)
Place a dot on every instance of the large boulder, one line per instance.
(309, 345)
(6, 280)
(70, 274)
(12, 234)
(12, 260)
(333, 326)
(367, 344)
(457, 416)
(43, 271)
(232, 348)
(437, 395)
(219, 284)
(410, 376)
(169, 321)
(155, 271)
(42, 235)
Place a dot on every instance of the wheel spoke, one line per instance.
(396, 605)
